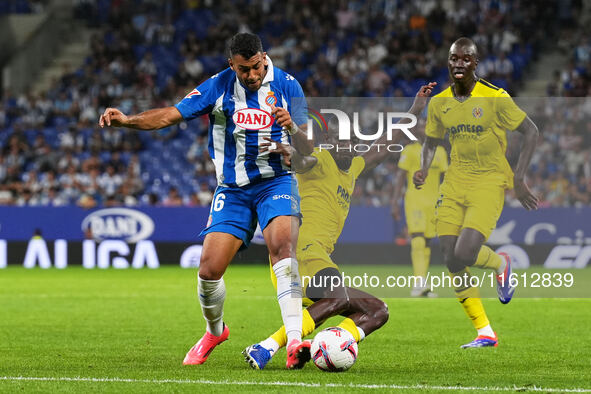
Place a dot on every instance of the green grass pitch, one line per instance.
(130, 329)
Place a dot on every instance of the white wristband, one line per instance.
(292, 130)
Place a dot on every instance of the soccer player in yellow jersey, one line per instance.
(475, 115)
(326, 180)
(419, 207)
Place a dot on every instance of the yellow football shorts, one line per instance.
(420, 217)
(312, 258)
(476, 206)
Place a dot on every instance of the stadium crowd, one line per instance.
(22, 6)
(150, 54)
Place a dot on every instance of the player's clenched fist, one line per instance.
(419, 178)
(113, 117)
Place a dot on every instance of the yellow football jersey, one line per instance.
(325, 193)
(477, 132)
(410, 160)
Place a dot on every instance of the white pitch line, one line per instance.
(294, 384)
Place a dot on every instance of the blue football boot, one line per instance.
(504, 289)
(257, 356)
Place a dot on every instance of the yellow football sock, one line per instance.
(469, 297)
(487, 258)
(427, 257)
(349, 325)
(280, 337)
(308, 327)
(417, 254)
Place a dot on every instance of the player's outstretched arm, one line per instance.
(375, 155)
(427, 155)
(421, 98)
(301, 142)
(152, 119)
(398, 187)
(299, 163)
(522, 192)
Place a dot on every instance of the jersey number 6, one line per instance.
(219, 202)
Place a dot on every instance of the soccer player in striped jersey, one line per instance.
(476, 115)
(246, 102)
(327, 180)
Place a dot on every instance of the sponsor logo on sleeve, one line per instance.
(193, 92)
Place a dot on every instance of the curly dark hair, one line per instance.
(246, 45)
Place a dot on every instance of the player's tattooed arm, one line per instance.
(530, 138)
(152, 119)
(427, 155)
(291, 157)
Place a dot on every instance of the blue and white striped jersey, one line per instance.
(239, 119)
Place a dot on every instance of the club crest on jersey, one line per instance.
(252, 119)
(193, 92)
(477, 112)
(271, 100)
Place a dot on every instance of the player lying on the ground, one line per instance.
(419, 207)
(326, 182)
(476, 115)
(249, 100)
